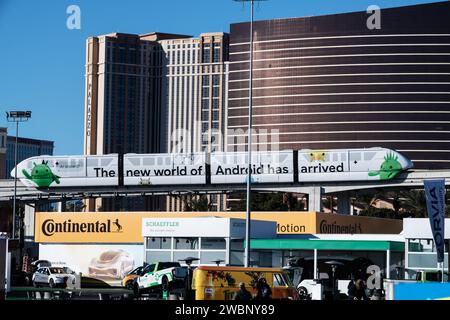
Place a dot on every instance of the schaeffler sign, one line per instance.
(183, 227)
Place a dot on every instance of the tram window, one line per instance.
(106, 162)
(149, 161)
(369, 155)
(135, 161)
(335, 156)
(355, 156)
(160, 161)
(167, 161)
(343, 157)
(92, 162)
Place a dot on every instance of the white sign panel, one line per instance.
(267, 167)
(164, 169)
(419, 228)
(186, 227)
(106, 263)
(206, 227)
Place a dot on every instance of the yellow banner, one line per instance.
(113, 227)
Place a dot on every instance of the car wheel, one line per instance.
(164, 284)
(129, 285)
(51, 283)
(136, 290)
(303, 293)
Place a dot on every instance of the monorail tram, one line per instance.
(289, 166)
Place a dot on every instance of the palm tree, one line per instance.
(414, 202)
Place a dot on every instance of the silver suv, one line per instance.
(52, 277)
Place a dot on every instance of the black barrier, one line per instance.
(191, 310)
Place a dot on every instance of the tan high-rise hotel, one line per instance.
(154, 93)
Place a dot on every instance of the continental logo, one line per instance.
(50, 227)
(334, 227)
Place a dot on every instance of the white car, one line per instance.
(52, 277)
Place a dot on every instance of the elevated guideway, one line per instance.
(407, 180)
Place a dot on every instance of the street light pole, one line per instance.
(16, 116)
(249, 142)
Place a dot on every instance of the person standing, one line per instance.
(263, 290)
(351, 289)
(360, 293)
(243, 294)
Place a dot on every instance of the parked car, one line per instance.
(22, 278)
(128, 280)
(52, 277)
(159, 275)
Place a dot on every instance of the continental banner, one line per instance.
(113, 227)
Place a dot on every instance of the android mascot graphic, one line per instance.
(42, 175)
(389, 168)
(317, 156)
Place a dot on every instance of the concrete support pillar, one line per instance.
(343, 203)
(316, 274)
(315, 199)
(61, 206)
(388, 264)
(28, 221)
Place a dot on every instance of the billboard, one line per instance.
(113, 227)
(164, 169)
(106, 263)
(267, 167)
(350, 165)
(68, 171)
(88, 228)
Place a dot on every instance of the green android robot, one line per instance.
(42, 175)
(389, 168)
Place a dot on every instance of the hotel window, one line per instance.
(216, 80)
(216, 56)
(215, 115)
(205, 116)
(206, 53)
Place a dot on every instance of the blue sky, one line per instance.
(42, 61)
